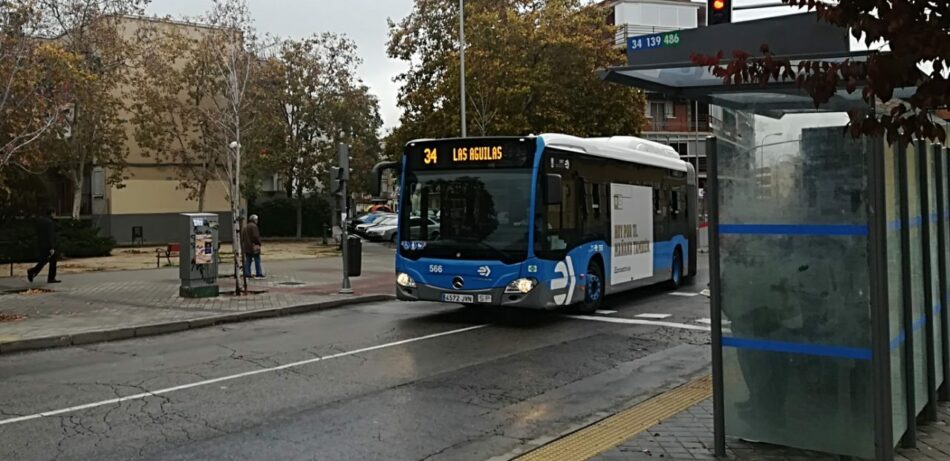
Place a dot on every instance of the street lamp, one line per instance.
(462, 59)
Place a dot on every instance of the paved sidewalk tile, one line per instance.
(689, 436)
(112, 300)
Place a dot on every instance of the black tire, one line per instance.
(676, 274)
(594, 294)
(393, 239)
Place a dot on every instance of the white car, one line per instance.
(362, 229)
(388, 232)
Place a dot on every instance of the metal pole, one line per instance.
(345, 164)
(462, 55)
(715, 303)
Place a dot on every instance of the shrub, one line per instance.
(278, 217)
(80, 239)
(75, 239)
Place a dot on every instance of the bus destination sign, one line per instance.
(471, 153)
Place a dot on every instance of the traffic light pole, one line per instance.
(344, 161)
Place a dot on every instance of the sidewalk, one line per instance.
(688, 435)
(101, 306)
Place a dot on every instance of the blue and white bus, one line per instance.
(543, 221)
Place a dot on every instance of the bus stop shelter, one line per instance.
(828, 254)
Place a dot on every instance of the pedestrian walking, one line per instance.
(45, 248)
(251, 246)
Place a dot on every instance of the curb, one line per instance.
(142, 331)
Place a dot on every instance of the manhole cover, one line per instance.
(290, 284)
(10, 317)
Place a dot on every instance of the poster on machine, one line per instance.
(204, 249)
(631, 235)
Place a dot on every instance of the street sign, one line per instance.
(647, 42)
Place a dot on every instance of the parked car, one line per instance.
(387, 232)
(362, 229)
(368, 218)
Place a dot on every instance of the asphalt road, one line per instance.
(393, 380)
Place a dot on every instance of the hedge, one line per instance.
(278, 217)
(75, 239)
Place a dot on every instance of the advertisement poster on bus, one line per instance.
(631, 235)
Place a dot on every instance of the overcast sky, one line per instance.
(364, 21)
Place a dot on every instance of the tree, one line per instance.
(172, 87)
(318, 102)
(918, 34)
(35, 77)
(530, 67)
(92, 131)
(231, 54)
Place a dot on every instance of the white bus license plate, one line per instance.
(457, 298)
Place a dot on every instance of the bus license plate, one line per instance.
(457, 298)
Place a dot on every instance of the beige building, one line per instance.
(145, 206)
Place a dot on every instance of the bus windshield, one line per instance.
(476, 214)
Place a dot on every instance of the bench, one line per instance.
(172, 249)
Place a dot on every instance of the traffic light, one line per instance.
(336, 177)
(718, 11)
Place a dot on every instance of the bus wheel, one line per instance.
(594, 294)
(676, 276)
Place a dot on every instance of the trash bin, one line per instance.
(354, 252)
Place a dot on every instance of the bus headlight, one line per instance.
(404, 280)
(521, 286)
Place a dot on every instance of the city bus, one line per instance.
(549, 221)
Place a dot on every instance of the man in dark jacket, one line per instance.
(45, 248)
(251, 246)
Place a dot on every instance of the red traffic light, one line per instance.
(718, 4)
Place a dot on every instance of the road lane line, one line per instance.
(653, 316)
(605, 312)
(638, 322)
(167, 390)
(683, 293)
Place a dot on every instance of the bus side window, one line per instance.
(595, 200)
(675, 203)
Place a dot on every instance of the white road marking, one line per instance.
(167, 390)
(683, 293)
(605, 312)
(704, 321)
(638, 322)
(653, 316)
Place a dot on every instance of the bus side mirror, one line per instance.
(376, 176)
(552, 189)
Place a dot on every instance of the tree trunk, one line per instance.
(78, 177)
(202, 190)
(299, 205)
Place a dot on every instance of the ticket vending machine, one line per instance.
(198, 266)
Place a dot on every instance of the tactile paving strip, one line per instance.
(614, 430)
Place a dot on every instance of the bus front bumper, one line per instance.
(538, 298)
